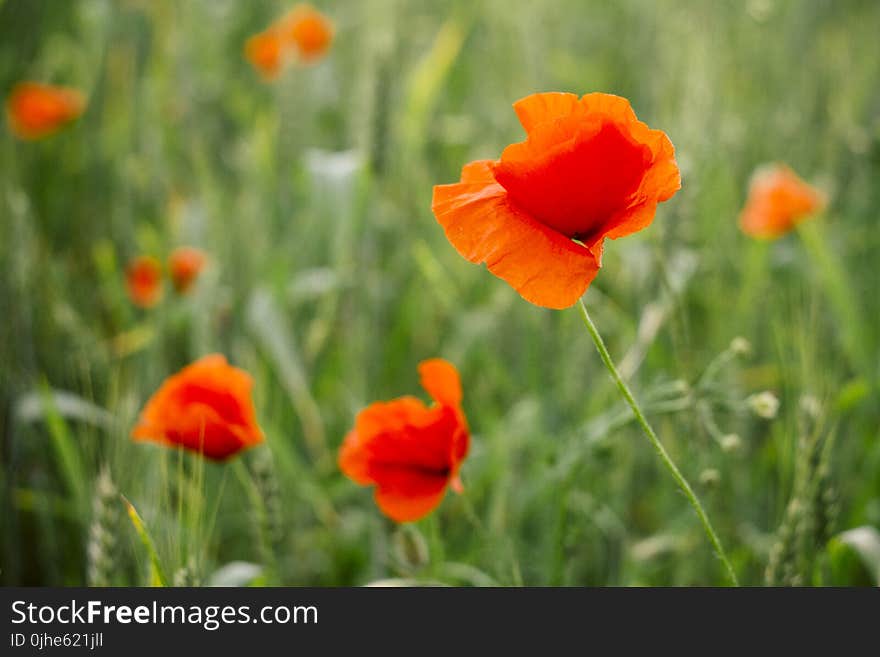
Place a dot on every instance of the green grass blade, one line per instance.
(157, 573)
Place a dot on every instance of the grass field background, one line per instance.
(329, 280)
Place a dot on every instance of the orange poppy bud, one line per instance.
(265, 52)
(539, 215)
(778, 201)
(37, 110)
(185, 265)
(308, 30)
(205, 408)
(143, 279)
(408, 450)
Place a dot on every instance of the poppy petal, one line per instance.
(576, 185)
(631, 220)
(544, 266)
(409, 504)
(390, 416)
(404, 433)
(440, 379)
(353, 460)
(609, 106)
(544, 107)
(663, 179)
(478, 171)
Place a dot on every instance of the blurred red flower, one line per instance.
(778, 201)
(408, 450)
(206, 408)
(303, 33)
(143, 279)
(36, 110)
(308, 30)
(538, 216)
(185, 264)
(265, 52)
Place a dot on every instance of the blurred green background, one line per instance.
(329, 280)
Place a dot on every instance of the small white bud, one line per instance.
(764, 404)
(740, 346)
(710, 477)
(731, 442)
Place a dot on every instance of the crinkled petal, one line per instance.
(662, 178)
(608, 106)
(545, 267)
(631, 220)
(577, 185)
(544, 107)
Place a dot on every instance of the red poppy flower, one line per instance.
(408, 450)
(206, 408)
(143, 279)
(308, 30)
(304, 32)
(265, 52)
(778, 201)
(538, 216)
(185, 265)
(37, 110)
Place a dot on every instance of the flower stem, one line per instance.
(655, 441)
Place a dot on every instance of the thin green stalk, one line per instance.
(756, 273)
(655, 441)
(840, 293)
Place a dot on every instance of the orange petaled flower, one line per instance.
(265, 52)
(538, 216)
(206, 408)
(185, 265)
(304, 32)
(143, 278)
(778, 201)
(308, 30)
(408, 450)
(37, 110)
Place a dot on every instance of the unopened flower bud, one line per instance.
(731, 442)
(740, 346)
(710, 477)
(410, 548)
(764, 404)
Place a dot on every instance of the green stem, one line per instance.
(655, 441)
(835, 280)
